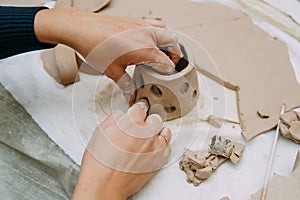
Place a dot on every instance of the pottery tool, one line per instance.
(264, 190)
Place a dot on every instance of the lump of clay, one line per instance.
(198, 165)
(290, 126)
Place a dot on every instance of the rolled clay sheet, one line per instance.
(249, 60)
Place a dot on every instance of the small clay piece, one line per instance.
(263, 115)
(290, 126)
(170, 96)
(217, 121)
(204, 173)
(225, 198)
(295, 130)
(214, 121)
(288, 118)
(198, 165)
(284, 130)
(220, 146)
(238, 152)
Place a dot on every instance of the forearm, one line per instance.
(77, 29)
(56, 25)
(93, 182)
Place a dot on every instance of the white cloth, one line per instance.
(69, 116)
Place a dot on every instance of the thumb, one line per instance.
(159, 61)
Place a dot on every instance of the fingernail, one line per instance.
(163, 133)
(143, 105)
(158, 117)
(164, 68)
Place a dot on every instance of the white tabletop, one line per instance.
(69, 116)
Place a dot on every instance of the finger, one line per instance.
(168, 39)
(138, 113)
(164, 137)
(115, 115)
(150, 56)
(154, 124)
(123, 80)
(157, 60)
(174, 57)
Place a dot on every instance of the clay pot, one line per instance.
(170, 96)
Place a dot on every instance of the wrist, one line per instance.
(54, 25)
(94, 181)
(70, 27)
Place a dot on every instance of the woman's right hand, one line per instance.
(125, 151)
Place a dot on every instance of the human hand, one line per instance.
(110, 43)
(120, 158)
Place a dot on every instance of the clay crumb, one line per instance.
(263, 115)
(156, 18)
(214, 121)
(217, 122)
(199, 165)
(225, 198)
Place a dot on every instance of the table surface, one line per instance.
(69, 115)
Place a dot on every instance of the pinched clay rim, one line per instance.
(170, 77)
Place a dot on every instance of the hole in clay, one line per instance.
(184, 88)
(156, 91)
(169, 108)
(183, 61)
(195, 94)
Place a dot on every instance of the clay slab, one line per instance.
(249, 60)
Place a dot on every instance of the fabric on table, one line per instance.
(32, 166)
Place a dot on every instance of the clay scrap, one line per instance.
(217, 122)
(290, 126)
(198, 165)
(225, 198)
